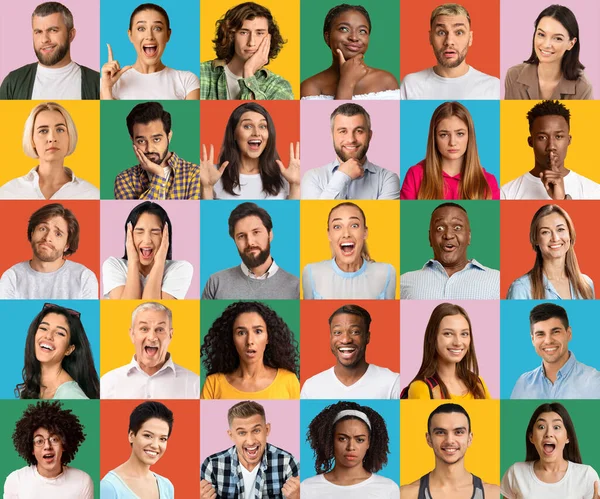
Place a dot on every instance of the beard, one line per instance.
(442, 61)
(52, 256)
(359, 154)
(59, 54)
(256, 261)
(160, 159)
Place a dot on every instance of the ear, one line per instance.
(271, 235)
(170, 135)
(72, 34)
(370, 135)
(70, 350)
(326, 35)
(572, 43)
(268, 429)
(131, 334)
(428, 438)
(130, 436)
(569, 333)
(470, 38)
(570, 138)
(366, 233)
(171, 333)
(368, 336)
(470, 440)
(430, 32)
(530, 141)
(469, 238)
(129, 35)
(230, 433)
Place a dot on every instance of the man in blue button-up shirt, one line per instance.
(560, 376)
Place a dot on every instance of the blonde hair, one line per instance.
(28, 146)
(449, 9)
(473, 184)
(365, 250)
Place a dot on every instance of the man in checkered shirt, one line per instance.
(252, 468)
(160, 174)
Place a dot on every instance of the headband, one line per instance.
(357, 414)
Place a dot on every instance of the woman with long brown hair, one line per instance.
(449, 368)
(451, 168)
(555, 274)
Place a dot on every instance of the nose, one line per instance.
(251, 39)
(47, 444)
(350, 444)
(250, 338)
(151, 335)
(345, 338)
(51, 137)
(353, 35)
(452, 139)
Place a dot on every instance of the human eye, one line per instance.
(163, 439)
(344, 29)
(263, 126)
(43, 131)
(465, 334)
(141, 28)
(257, 430)
(460, 32)
(241, 332)
(336, 332)
(439, 228)
(460, 134)
(61, 129)
(61, 333)
(441, 32)
(54, 439)
(364, 31)
(541, 426)
(540, 34)
(557, 427)
(157, 139)
(157, 28)
(337, 226)
(355, 226)
(147, 435)
(458, 227)
(140, 141)
(58, 234)
(38, 441)
(360, 440)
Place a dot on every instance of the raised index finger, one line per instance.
(110, 53)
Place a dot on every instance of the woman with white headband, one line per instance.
(350, 443)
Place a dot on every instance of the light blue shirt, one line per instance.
(574, 380)
(69, 390)
(327, 182)
(474, 282)
(520, 289)
(112, 486)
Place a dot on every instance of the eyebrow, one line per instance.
(154, 135)
(346, 23)
(339, 218)
(258, 425)
(48, 126)
(437, 428)
(352, 436)
(557, 225)
(58, 327)
(158, 324)
(154, 22)
(440, 219)
(248, 119)
(455, 25)
(456, 130)
(554, 420)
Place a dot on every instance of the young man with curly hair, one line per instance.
(48, 437)
(247, 39)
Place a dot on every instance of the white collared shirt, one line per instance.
(28, 187)
(131, 382)
(272, 270)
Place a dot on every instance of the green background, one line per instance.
(88, 456)
(210, 310)
(384, 44)
(116, 151)
(484, 217)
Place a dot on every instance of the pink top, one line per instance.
(414, 177)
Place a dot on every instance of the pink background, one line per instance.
(284, 416)
(516, 33)
(485, 320)
(16, 38)
(185, 217)
(316, 146)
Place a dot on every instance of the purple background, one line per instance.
(16, 37)
(284, 416)
(485, 321)
(185, 218)
(516, 33)
(317, 144)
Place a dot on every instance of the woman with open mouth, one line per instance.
(553, 70)
(49, 136)
(449, 368)
(351, 273)
(147, 270)
(250, 166)
(553, 466)
(451, 168)
(58, 358)
(555, 274)
(149, 32)
(351, 445)
(249, 352)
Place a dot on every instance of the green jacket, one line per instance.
(18, 84)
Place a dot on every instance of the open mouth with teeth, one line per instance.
(254, 144)
(450, 450)
(47, 347)
(150, 50)
(347, 248)
(549, 448)
(252, 452)
(151, 351)
(48, 457)
(48, 48)
(347, 352)
(250, 353)
(456, 351)
(151, 453)
(146, 253)
(449, 247)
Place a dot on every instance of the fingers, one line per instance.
(139, 154)
(596, 490)
(340, 57)
(281, 165)
(123, 70)
(297, 155)
(211, 155)
(165, 234)
(223, 166)
(110, 53)
(204, 158)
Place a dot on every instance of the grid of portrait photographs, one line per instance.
(248, 247)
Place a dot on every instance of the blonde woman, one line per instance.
(50, 136)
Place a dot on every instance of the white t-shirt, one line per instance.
(233, 87)
(27, 483)
(176, 279)
(527, 186)
(520, 482)
(250, 188)
(28, 187)
(374, 487)
(57, 83)
(72, 281)
(376, 383)
(428, 85)
(249, 479)
(165, 84)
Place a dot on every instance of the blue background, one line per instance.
(219, 251)
(18, 315)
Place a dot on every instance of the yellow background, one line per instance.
(85, 161)
(116, 348)
(383, 221)
(287, 17)
(516, 157)
(482, 458)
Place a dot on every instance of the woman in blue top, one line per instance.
(351, 273)
(555, 274)
(150, 426)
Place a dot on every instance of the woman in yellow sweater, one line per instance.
(250, 352)
(449, 368)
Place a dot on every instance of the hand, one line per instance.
(291, 488)
(259, 58)
(207, 491)
(132, 254)
(352, 168)
(351, 70)
(111, 71)
(292, 172)
(596, 493)
(146, 164)
(161, 254)
(209, 175)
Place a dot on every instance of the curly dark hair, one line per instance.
(55, 419)
(233, 20)
(549, 108)
(218, 351)
(321, 432)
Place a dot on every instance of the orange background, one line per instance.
(315, 352)
(416, 52)
(516, 255)
(285, 115)
(15, 221)
(181, 461)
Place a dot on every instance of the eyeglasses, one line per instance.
(40, 441)
(70, 311)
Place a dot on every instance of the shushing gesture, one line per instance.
(110, 74)
(553, 179)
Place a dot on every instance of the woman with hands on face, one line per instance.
(346, 30)
(149, 32)
(250, 167)
(147, 271)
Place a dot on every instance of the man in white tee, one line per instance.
(549, 127)
(352, 377)
(452, 78)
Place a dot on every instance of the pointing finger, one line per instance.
(110, 53)
(211, 155)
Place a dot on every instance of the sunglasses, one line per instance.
(70, 311)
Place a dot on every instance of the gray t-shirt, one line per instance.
(233, 284)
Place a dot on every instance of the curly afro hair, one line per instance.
(321, 432)
(218, 350)
(58, 421)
